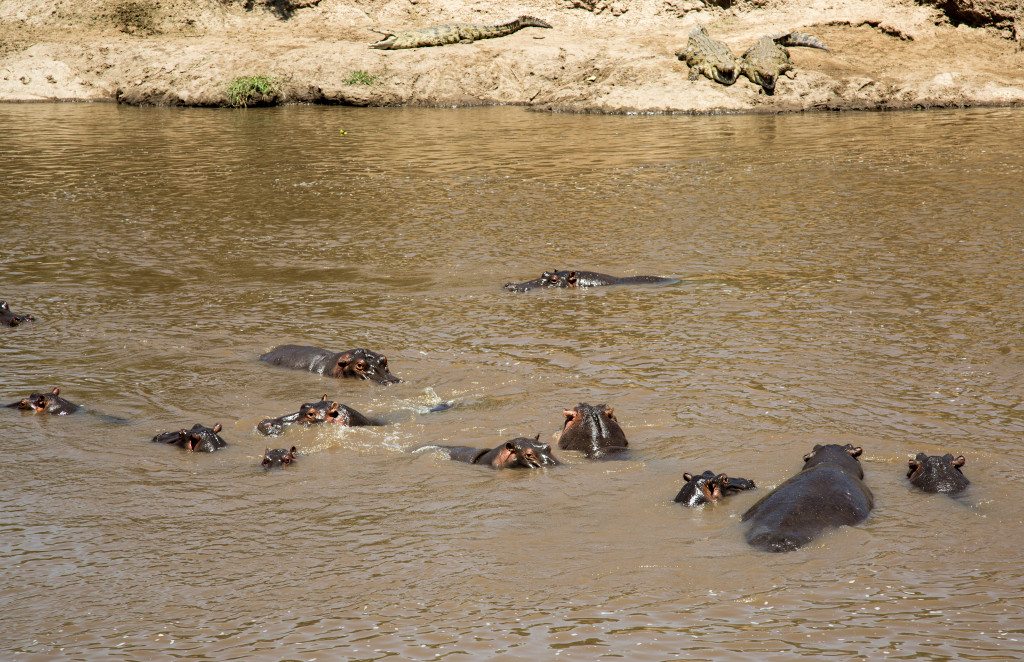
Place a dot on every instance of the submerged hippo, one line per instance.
(9, 318)
(709, 487)
(828, 492)
(593, 430)
(935, 473)
(200, 439)
(518, 453)
(278, 457)
(359, 363)
(315, 413)
(46, 403)
(585, 279)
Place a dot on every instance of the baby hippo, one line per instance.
(358, 363)
(934, 473)
(200, 439)
(709, 487)
(594, 430)
(48, 403)
(519, 453)
(315, 413)
(278, 457)
(564, 279)
(9, 318)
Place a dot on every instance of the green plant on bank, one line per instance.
(360, 78)
(245, 90)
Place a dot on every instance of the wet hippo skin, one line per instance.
(278, 457)
(938, 473)
(585, 279)
(592, 430)
(10, 318)
(315, 413)
(356, 363)
(46, 403)
(518, 453)
(828, 492)
(709, 487)
(200, 438)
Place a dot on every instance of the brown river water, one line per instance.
(844, 278)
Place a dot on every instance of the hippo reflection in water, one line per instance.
(592, 430)
(46, 403)
(938, 473)
(585, 279)
(357, 363)
(518, 453)
(10, 318)
(709, 487)
(315, 413)
(200, 438)
(828, 492)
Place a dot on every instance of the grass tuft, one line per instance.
(248, 90)
(360, 78)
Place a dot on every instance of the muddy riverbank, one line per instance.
(601, 57)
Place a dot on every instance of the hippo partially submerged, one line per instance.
(828, 492)
(709, 487)
(200, 438)
(278, 457)
(46, 403)
(518, 453)
(585, 279)
(357, 363)
(10, 318)
(592, 430)
(315, 413)
(938, 473)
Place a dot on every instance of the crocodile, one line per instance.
(768, 59)
(453, 33)
(710, 57)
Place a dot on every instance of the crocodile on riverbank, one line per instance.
(707, 56)
(454, 33)
(768, 58)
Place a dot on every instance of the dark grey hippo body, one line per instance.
(585, 279)
(357, 363)
(828, 492)
(592, 430)
(709, 487)
(46, 403)
(315, 413)
(938, 473)
(278, 457)
(200, 438)
(518, 453)
(10, 318)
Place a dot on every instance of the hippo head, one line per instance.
(935, 473)
(39, 402)
(278, 457)
(708, 487)
(364, 364)
(526, 453)
(9, 318)
(593, 430)
(845, 456)
(200, 439)
(324, 411)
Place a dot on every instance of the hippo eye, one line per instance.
(311, 413)
(361, 365)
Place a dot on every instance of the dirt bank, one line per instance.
(601, 55)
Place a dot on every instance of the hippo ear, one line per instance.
(959, 461)
(3, 306)
(537, 437)
(609, 412)
(687, 477)
(293, 450)
(55, 391)
(913, 464)
(569, 414)
(217, 428)
(811, 454)
(345, 359)
(854, 451)
(323, 398)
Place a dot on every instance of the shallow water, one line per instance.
(851, 278)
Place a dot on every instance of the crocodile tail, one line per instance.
(800, 39)
(698, 30)
(528, 22)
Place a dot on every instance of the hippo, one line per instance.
(828, 492)
(585, 279)
(200, 439)
(358, 363)
(518, 453)
(594, 430)
(709, 487)
(278, 457)
(49, 403)
(315, 413)
(9, 318)
(936, 473)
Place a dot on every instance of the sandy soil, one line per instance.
(601, 56)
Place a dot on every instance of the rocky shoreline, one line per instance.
(604, 57)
